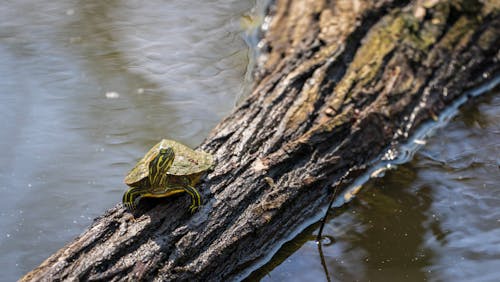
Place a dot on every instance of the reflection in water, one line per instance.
(86, 87)
(436, 218)
(320, 244)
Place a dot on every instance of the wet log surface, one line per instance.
(338, 85)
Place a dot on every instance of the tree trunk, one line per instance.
(338, 85)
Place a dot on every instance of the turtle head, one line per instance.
(168, 151)
(159, 167)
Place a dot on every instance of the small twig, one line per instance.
(325, 217)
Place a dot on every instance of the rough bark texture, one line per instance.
(338, 85)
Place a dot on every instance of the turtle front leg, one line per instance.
(195, 198)
(180, 184)
(132, 197)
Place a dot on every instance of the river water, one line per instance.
(87, 86)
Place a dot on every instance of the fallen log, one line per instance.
(338, 85)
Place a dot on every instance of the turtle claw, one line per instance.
(132, 205)
(129, 207)
(193, 208)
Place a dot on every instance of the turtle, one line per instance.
(168, 168)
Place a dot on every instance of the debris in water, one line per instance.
(112, 95)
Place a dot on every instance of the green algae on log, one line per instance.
(337, 84)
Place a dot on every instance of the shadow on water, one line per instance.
(390, 218)
(358, 235)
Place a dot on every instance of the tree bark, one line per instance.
(338, 85)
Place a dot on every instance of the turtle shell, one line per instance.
(187, 161)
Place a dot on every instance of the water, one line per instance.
(85, 88)
(436, 218)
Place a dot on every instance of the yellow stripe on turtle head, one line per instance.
(160, 165)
